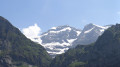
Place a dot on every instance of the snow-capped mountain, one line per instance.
(89, 34)
(58, 39)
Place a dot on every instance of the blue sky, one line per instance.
(50, 13)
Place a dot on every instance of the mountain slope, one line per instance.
(18, 51)
(105, 52)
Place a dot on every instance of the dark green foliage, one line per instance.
(77, 64)
(105, 52)
(16, 49)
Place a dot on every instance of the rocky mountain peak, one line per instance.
(59, 39)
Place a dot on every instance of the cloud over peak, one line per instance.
(32, 31)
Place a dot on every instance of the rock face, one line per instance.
(105, 52)
(18, 51)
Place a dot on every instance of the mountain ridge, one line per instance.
(90, 33)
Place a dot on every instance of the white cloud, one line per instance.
(32, 31)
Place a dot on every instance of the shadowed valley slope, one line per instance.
(18, 51)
